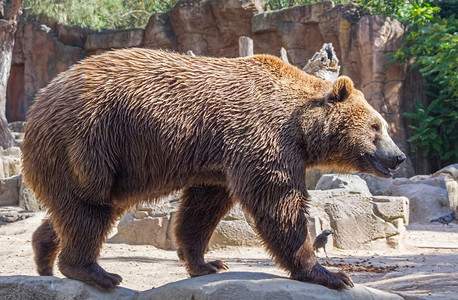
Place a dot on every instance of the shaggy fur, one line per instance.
(138, 124)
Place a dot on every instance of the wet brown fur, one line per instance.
(138, 124)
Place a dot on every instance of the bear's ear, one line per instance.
(342, 88)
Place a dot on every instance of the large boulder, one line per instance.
(27, 199)
(231, 285)
(347, 207)
(358, 218)
(235, 229)
(242, 285)
(427, 201)
(357, 221)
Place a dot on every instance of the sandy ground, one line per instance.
(426, 267)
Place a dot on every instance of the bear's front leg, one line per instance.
(282, 224)
(201, 209)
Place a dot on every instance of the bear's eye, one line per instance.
(376, 127)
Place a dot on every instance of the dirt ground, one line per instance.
(426, 267)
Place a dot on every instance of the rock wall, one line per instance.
(213, 27)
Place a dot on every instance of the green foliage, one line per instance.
(436, 130)
(98, 14)
(432, 41)
(392, 8)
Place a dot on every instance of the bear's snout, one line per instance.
(384, 161)
(400, 159)
(395, 161)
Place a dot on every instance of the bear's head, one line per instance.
(356, 135)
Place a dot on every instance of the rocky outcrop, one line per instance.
(231, 285)
(431, 196)
(212, 27)
(358, 220)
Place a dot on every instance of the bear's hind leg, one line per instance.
(45, 246)
(82, 231)
(201, 209)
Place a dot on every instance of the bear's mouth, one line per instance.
(378, 166)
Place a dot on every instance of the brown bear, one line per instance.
(134, 125)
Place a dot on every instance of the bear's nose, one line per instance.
(400, 158)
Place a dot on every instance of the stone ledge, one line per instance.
(230, 285)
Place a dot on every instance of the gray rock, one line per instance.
(146, 231)
(27, 199)
(450, 170)
(312, 176)
(318, 219)
(49, 287)
(391, 208)
(427, 201)
(350, 183)
(354, 222)
(377, 186)
(231, 285)
(9, 190)
(9, 214)
(242, 285)
(360, 221)
(430, 196)
(234, 233)
(10, 162)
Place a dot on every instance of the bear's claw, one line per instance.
(92, 274)
(207, 268)
(320, 275)
(219, 264)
